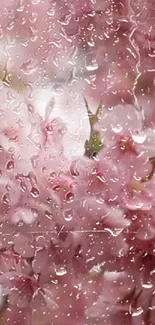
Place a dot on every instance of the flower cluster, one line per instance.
(77, 162)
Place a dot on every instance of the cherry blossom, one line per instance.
(77, 162)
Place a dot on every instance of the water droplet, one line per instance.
(29, 67)
(10, 165)
(10, 26)
(51, 12)
(53, 175)
(137, 312)
(20, 6)
(147, 285)
(34, 192)
(49, 128)
(32, 178)
(61, 271)
(48, 215)
(34, 213)
(139, 138)
(68, 214)
(6, 198)
(91, 64)
(114, 232)
(8, 187)
(117, 129)
(35, 2)
(56, 188)
(69, 197)
(35, 161)
(23, 186)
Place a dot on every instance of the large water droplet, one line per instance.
(139, 138)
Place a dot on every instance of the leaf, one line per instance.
(94, 144)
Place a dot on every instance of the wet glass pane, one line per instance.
(77, 162)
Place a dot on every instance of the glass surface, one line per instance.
(77, 161)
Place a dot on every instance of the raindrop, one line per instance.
(139, 138)
(34, 214)
(137, 312)
(30, 108)
(6, 198)
(20, 6)
(61, 271)
(23, 186)
(51, 12)
(91, 64)
(69, 197)
(117, 129)
(68, 214)
(34, 192)
(48, 215)
(49, 128)
(10, 165)
(10, 26)
(29, 67)
(35, 161)
(8, 187)
(147, 285)
(115, 232)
